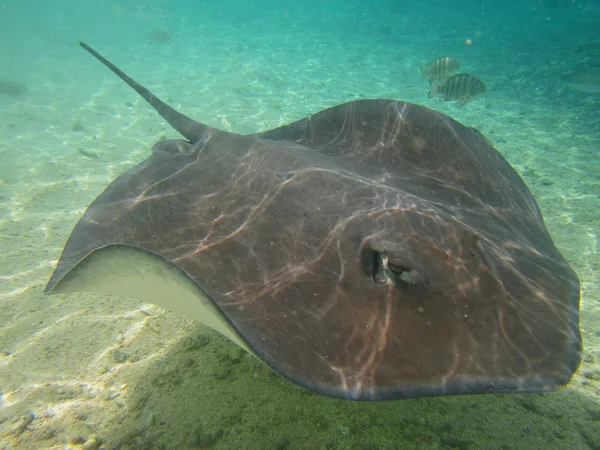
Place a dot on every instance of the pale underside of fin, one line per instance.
(133, 272)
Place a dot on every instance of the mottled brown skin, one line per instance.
(371, 251)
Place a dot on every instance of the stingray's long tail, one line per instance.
(188, 128)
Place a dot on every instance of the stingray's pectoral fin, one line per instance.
(133, 272)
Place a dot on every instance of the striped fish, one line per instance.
(440, 68)
(462, 88)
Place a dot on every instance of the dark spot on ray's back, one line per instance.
(371, 251)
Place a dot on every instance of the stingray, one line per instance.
(370, 251)
(584, 81)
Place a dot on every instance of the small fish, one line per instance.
(588, 47)
(440, 68)
(462, 88)
(584, 81)
(159, 36)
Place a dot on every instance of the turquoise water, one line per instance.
(114, 373)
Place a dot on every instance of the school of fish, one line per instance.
(450, 86)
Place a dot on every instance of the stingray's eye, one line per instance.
(377, 265)
(405, 276)
(380, 273)
(374, 265)
(396, 269)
